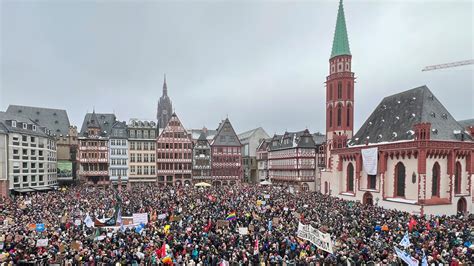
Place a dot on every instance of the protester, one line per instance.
(188, 226)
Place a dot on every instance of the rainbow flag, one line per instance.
(231, 216)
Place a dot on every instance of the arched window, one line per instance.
(339, 90)
(339, 115)
(330, 117)
(326, 188)
(435, 180)
(330, 91)
(457, 178)
(348, 90)
(400, 180)
(350, 177)
(348, 120)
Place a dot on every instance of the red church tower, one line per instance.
(339, 88)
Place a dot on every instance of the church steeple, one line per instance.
(165, 87)
(340, 44)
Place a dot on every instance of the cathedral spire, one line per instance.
(165, 87)
(340, 44)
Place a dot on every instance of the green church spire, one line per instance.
(340, 44)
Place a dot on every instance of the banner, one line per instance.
(406, 257)
(139, 218)
(319, 239)
(369, 159)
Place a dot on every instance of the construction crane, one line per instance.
(454, 64)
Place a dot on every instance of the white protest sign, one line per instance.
(243, 230)
(77, 222)
(319, 239)
(162, 216)
(139, 218)
(42, 242)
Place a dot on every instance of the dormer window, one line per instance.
(34, 127)
(13, 123)
(25, 125)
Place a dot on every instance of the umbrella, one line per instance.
(202, 184)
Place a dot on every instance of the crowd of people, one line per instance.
(192, 232)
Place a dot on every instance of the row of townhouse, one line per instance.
(112, 152)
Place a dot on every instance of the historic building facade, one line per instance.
(118, 147)
(410, 154)
(202, 159)
(165, 107)
(226, 156)
(250, 141)
(262, 159)
(93, 154)
(28, 161)
(292, 160)
(174, 154)
(142, 150)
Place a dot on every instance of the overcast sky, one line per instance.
(261, 63)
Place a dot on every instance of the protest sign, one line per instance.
(77, 222)
(139, 218)
(243, 231)
(42, 242)
(162, 216)
(76, 245)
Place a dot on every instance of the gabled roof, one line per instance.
(264, 143)
(196, 133)
(340, 43)
(395, 116)
(319, 138)
(56, 120)
(225, 135)
(105, 121)
(119, 130)
(300, 139)
(175, 119)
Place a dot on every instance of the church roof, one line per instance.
(395, 116)
(225, 135)
(56, 120)
(340, 44)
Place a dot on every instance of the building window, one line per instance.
(330, 91)
(339, 115)
(435, 180)
(330, 118)
(339, 90)
(348, 120)
(350, 177)
(400, 180)
(457, 178)
(348, 90)
(371, 181)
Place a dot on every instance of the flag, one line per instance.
(119, 217)
(412, 223)
(405, 241)
(428, 226)
(40, 227)
(406, 257)
(270, 225)
(231, 216)
(161, 252)
(139, 228)
(424, 261)
(208, 226)
(88, 221)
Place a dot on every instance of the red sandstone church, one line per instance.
(410, 154)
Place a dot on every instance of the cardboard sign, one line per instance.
(76, 245)
(275, 220)
(42, 242)
(175, 218)
(222, 223)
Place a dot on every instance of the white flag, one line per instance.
(406, 257)
(88, 221)
(405, 241)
